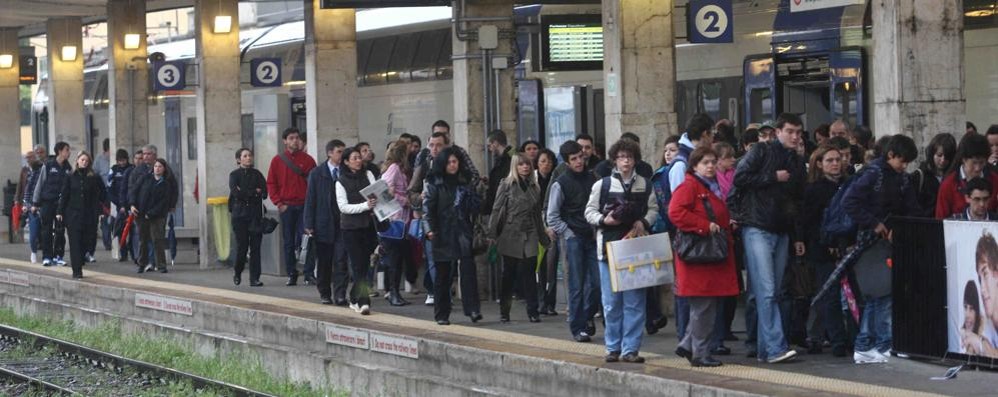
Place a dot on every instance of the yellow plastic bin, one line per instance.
(221, 226)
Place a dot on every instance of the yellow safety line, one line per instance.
(784, 378)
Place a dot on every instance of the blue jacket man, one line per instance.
(322, 220)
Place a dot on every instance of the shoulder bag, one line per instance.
(292, 166)
(695, 249)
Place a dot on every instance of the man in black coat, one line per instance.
(322, 223)
(48, 189)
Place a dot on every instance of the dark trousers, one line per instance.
(332, 268)
(395, 253)
(653, 305)
(90, 239)
(292, 227)
(830, 307)
(152, 233)
(53, 239)
(411, 262)
(547, 278)
(359, 246)
(247, 242)
(106, 224)
(78, 240)
(518, 272)
(469, 288)
(699, 330)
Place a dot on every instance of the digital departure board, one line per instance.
(572, 42)
(382, 3)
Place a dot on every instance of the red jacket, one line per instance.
(687, 213)
(951, 199)
(283, 185)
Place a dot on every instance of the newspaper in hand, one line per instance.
(387, 206)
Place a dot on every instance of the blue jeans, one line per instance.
(292, 227)
(766, 257)
(682, 315)
(751, 320)
(583, 282)
(431, 267)
(624, 313)
(875, 325)
(34, 224)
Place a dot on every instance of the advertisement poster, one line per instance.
(972, 287)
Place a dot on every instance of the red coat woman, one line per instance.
(687, 213)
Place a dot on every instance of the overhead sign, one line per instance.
(709, 21)
(169, 76)
(809, 5)
(265, 72)
(28, 65)
(382, 3)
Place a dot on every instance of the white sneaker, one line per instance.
(46, 262)
(90, 258)
(871, 356)
(59, 261)
(429, 300)
(788, 355)
(365, 310)
(355, 307)
(34, 257)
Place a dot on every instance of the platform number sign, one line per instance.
(709, 21)
(265, 72)
(170, 76)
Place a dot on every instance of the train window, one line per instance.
(424, 63)
(761, 105)
(377, 63)
(445, 66)
(398, 67)
(845, 102)
(710, 99)
(363, 53)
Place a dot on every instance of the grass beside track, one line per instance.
(242, 370)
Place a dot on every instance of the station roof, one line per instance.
(30, 15)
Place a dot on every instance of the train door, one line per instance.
(759, 90)
(804, 85)
(572, 111)
(846, 69)
(529, 110)
(174, 151)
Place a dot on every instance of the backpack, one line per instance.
(835, 221)
(663, 195)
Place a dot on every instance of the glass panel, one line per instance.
(377, 62)
(425, 61)
(710, 99)
(363, 53)
(445, 66)
(559, 110)
(761, 105)
(845, 102)
(405, 49)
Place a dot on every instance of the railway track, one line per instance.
(35, 364)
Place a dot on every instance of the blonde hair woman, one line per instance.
(79, 207)
(517, 228)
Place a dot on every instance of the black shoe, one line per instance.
(591, 327)
(237, 280)
(814, 348)
(504, 318)
(661, 322)
(77, 276)
(612, 357)
(395, 300)
(326, 301)
(443, 322)
(256, 283)
(633, 358)
(341, 302)
(534, 319)
(721, 351)
(582, 337)
(292, 280)
(475, 317)
(163, 270)
(705, 362)
(688, 355)
(651, 329)
(840, 351)
(141, 269)
(730, 337)
(309, 280)
(123, 259)
(751, 353)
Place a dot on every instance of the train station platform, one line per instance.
(401, 351)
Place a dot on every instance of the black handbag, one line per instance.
(264, 225)
(695, 249)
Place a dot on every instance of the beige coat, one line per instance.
(519, 213)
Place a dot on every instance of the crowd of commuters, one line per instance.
(767, 194)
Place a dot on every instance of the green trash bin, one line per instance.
(221, 226)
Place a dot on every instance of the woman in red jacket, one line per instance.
(702, 284)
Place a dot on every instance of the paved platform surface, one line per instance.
(823, 373)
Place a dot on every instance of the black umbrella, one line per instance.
(864, 241)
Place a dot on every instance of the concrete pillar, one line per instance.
(65, 83)
(468, 128)
(918, 68)
(330, 76)
(639, 72)
(219, 107)
(10, 116)
(128, 76)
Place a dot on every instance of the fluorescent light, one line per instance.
(132, 41)
(6, 61)
(68, 53)
(223, 24)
